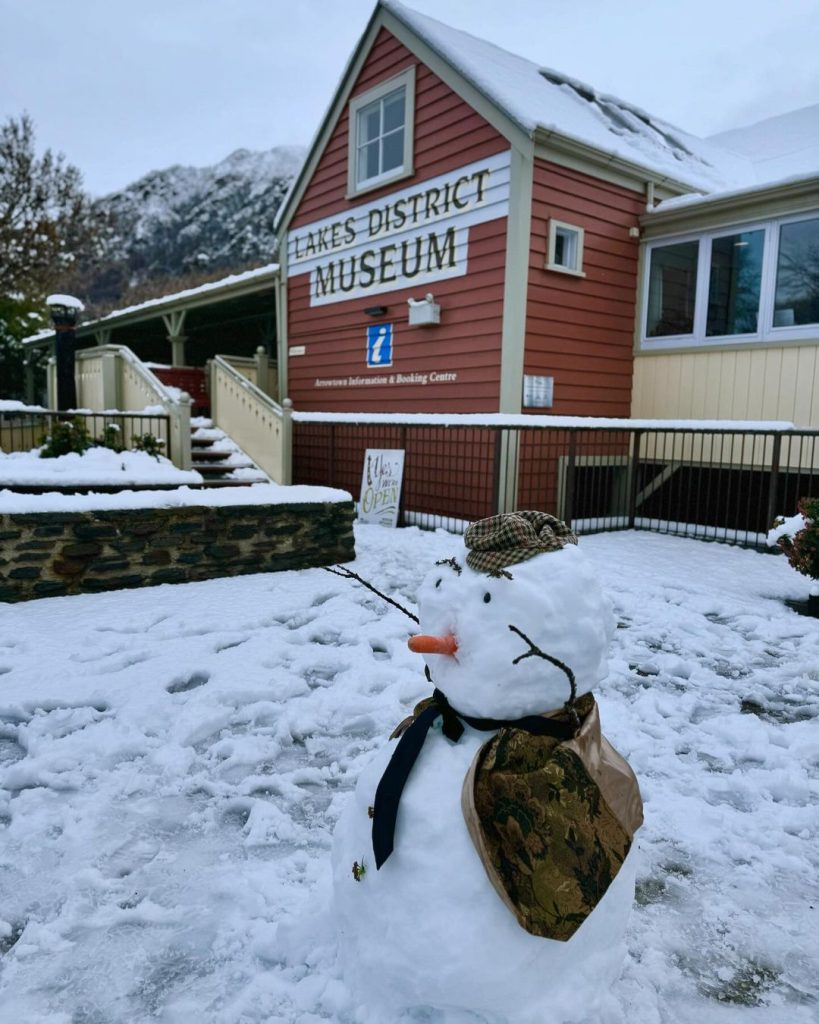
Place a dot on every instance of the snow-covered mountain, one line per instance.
(180, 220)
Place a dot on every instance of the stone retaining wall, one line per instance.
(48, 554)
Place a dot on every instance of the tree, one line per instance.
(49, 233)
(18, 319)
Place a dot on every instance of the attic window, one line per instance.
(565, 248)
(381, 133)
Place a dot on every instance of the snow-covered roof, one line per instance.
(540, 98)
(780, 147)
(224, 284)
(697, 201)
(188, 293)
(39, 337)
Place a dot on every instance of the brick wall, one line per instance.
(49, 554)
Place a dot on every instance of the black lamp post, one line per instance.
(64, 310)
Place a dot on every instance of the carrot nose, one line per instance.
(423, 644)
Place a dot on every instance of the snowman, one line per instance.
(484, 867)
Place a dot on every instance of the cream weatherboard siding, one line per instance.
(768, 382)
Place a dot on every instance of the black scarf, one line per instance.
(391, 786)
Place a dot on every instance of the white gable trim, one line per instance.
(383, 18)
(479, 101)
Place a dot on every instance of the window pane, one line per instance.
(380, 139)
(393, 151)
(368, 161)
(733, 291)
(394, 110)
(369, 123)
(565, 254)
(797, 275)
(671, 289)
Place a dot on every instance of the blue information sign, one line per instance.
(379, 345)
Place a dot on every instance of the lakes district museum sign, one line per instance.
(408, 238)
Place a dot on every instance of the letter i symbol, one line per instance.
(379, 342)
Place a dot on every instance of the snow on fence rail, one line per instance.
(723, 481)
(25, 430)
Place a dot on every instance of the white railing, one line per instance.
(260, 426)
(111, 377)
(259, 369)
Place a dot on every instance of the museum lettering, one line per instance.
(421, 255)
(399, 213)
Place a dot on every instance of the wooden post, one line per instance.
(262, 361)
(110, 380)
(287, 441)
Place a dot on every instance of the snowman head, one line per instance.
(520, 569)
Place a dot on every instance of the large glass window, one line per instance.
(797, 274)
(381, 127)
(760, 283)
(672, 287)
(734, 284)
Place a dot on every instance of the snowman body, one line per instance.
(428, 929)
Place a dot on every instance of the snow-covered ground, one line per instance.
(96, 467)
(173, 760)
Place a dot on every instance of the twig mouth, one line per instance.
(535, 652)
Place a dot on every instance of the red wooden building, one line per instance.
(464, 235)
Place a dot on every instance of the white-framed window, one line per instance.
(565, 252)
(757, 282)
(796, 288)
(382, 122)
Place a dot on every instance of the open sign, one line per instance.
(381, 479)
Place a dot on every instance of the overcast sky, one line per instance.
(123, 87)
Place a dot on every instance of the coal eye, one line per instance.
(487, 598)
(437, 583)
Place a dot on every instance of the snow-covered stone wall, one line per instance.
(49, 554)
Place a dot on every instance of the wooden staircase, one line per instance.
(220, 461)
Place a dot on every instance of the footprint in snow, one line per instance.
(182, 684)
(13, 716)
(129, 857)
(9, 934)
(319, 676)
(137, 630)
(295, 621)
(230, 644)
(10, 749)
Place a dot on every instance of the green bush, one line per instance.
(148, 443)
(66, 436)
(72, 436)
(111, 438)
(802, 548)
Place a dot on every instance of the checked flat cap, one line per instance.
(513, 537)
